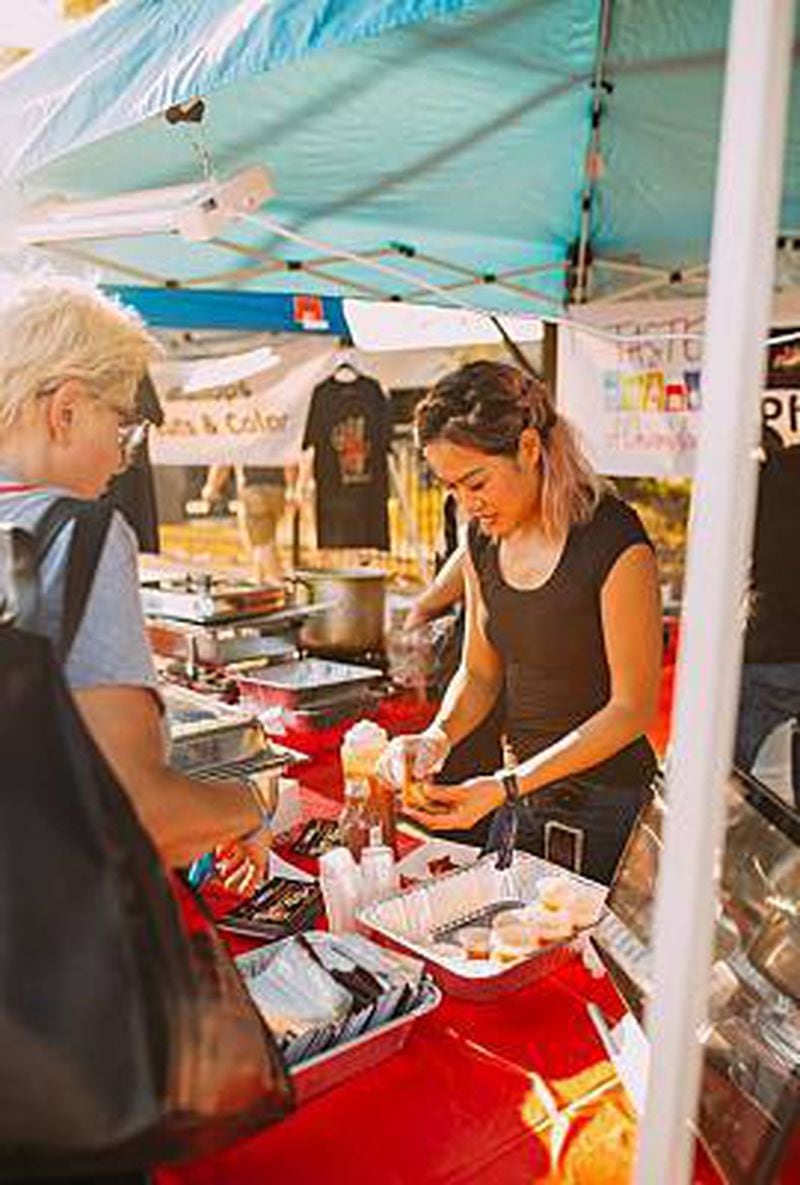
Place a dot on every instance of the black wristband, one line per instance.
(508, 780)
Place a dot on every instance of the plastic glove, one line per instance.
(415, 757)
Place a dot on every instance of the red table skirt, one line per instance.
(450, 1108)
(447, 1110)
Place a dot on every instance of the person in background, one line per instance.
(563, 620)
(71, 360)
(133, 490)
(263, 495)
(770, 686)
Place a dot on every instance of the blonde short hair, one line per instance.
(57, 328)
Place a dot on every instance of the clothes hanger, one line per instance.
(345, 370)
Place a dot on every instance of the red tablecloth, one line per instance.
(448, 1108)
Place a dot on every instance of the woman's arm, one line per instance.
(444, 591)
(476, 684)
(184, 818)
(631, 619)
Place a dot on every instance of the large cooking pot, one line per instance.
(353, 621)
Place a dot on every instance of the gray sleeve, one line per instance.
(111, 646)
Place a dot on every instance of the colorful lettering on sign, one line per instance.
(644, 391)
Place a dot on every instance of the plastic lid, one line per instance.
(365, 734)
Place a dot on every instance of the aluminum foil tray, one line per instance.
(323, 1071)
(419, 918)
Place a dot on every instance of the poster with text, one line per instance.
(633, 388)
(241, 409)
(629, 378)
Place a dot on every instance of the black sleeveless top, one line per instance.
(550, 639)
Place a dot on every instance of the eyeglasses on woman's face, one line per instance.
(131, 428)
(131, 432)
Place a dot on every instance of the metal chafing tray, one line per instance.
(208, 737)
(223, 644)
(205, 599)
(306, 683)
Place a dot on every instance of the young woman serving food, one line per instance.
(563, 617)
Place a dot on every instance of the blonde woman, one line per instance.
(71, 361)
(563, 616)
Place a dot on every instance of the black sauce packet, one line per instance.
(282, 907)
(316, 837)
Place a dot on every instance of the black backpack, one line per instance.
(126, 1035)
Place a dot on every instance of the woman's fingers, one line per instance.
(445, 796)
(243, 879)
(435, 820)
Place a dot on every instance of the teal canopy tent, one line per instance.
(512, 154)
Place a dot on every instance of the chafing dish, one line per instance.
(307, 683)
(216, 646)
(208, 737)
(205, 599)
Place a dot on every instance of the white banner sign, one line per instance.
(245, 409)
(634, 393)
(635, 402)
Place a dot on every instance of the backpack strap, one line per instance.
(92, 521)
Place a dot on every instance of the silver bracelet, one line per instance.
(259, 799)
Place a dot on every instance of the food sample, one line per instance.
(555, 892)
(586, 908)
(553, 925)
(475, 941)
(414, 792)
(448, 950)
(513, 940)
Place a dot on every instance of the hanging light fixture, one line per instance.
(197, 211)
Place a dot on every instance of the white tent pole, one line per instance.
(742, 259)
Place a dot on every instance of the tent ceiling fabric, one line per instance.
(446, 138)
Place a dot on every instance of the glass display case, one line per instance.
(750, 1096)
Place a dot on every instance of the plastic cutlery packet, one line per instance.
(318, 991)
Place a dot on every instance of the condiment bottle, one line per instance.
(340, 882)
(355, 817)
(362, 747)
(379, 877)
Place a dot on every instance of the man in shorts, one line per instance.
(262, 500)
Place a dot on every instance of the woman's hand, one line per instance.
(416, 617)
(415, 757)
(241, 866)
(458, 808)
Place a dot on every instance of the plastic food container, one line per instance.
(420, 919)
(328, 1069)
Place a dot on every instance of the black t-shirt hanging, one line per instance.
(349, 428)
